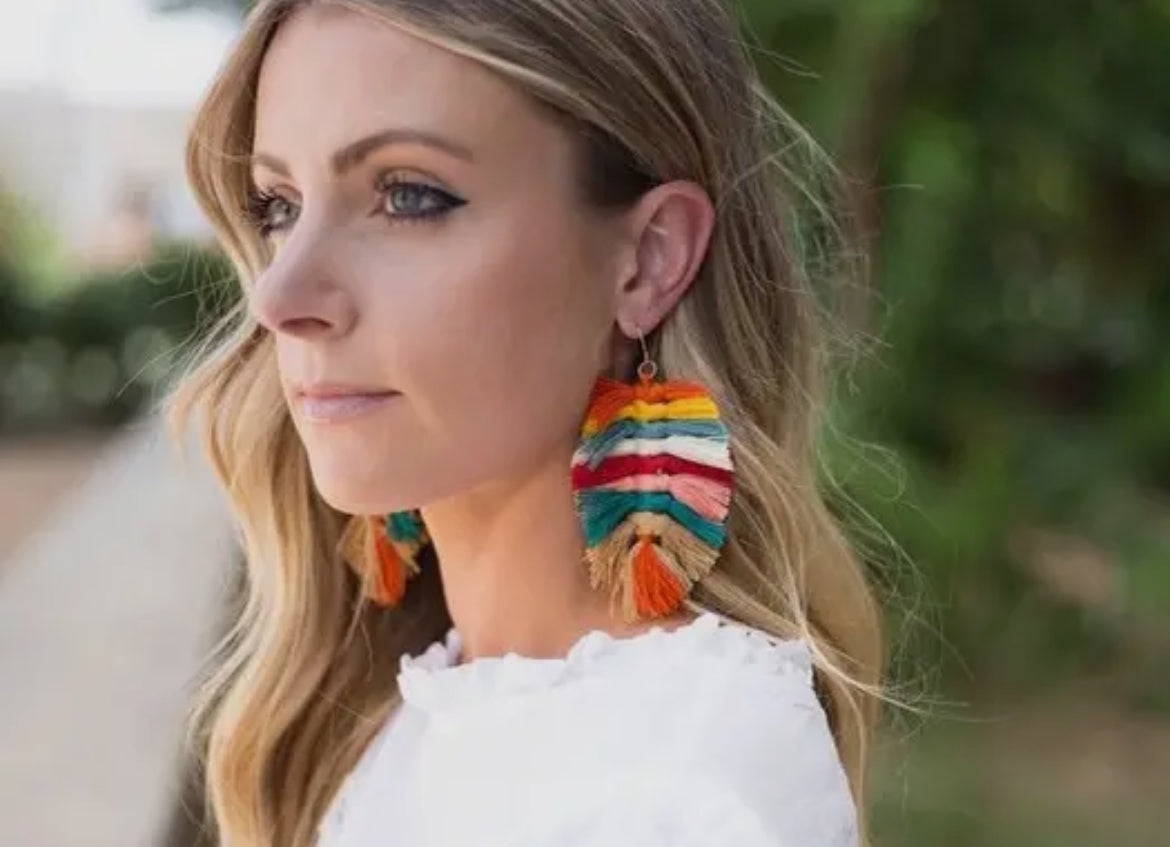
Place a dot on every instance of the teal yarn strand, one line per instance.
(603, 510)
(403, 526)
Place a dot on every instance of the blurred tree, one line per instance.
(96, 353)
(1013, 163)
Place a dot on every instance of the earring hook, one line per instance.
(647, 368)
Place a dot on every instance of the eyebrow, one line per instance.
(352, 155)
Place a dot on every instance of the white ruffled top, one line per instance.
(707, 735)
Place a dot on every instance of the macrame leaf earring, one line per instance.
(652, 480)
(395, 541)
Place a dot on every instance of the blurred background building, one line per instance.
(95, 98)
(1002, 458)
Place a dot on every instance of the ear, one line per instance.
(671, 228)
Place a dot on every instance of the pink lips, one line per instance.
(331, 403)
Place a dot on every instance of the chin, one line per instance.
(356, 489)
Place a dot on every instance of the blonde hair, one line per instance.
(653, 88)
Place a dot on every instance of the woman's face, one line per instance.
(440, 297)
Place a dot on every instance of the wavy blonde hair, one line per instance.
(307, 672)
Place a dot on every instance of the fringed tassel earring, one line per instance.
(384, 550)
(652, 479)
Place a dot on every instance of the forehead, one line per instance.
(332, 74)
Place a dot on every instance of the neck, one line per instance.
(512, 562)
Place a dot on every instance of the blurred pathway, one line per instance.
(36, 474)
(106, 612)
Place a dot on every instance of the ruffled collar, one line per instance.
(432, 681)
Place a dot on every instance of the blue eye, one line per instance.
(416, 200)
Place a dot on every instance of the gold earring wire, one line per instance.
(647, 369)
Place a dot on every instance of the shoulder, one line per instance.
(761, 743)
(709, 734)
(734, 749)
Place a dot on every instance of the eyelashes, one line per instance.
(260, 209)
(399, 201)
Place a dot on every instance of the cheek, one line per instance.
(501, 337)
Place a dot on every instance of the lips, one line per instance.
(321, 403)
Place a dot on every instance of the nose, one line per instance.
(299, 295)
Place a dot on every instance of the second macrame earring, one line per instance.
(389, 554)
(652, 479)
(398, 545)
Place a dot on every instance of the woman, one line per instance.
(517, 419)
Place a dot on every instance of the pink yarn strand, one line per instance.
(707, 497)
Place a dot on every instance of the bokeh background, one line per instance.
(1004, 449)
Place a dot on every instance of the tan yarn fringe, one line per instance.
(611, 563)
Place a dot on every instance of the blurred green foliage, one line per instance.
(97, 351)
(32, 255)
(1011, 162)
